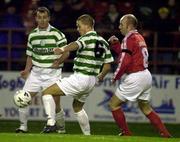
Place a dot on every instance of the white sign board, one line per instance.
(165, 100)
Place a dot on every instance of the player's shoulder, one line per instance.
(88, 35)
(56, 30)
(33, 31)
(102, 40)
(52, 28)
(135, 38)
(136, 35)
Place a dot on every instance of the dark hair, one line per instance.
(87, 20)
(43, 10)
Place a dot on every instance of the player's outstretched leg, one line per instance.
(153, 118)
(120, 120)
(157, 123)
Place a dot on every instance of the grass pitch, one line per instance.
(101, 132)
(12, 137)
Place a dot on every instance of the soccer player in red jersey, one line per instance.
(136, 82)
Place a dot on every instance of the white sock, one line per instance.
(23, 116)
(83, 120)
(49, 106)
(60, 119)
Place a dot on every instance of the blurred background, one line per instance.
(159, 22)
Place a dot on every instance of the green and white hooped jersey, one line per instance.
(92, 53)
(41, 44)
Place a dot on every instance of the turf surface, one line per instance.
(101, 131)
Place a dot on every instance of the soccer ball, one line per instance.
(22, 98)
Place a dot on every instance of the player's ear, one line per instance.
(36, 18)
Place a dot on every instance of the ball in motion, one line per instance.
(22, 98)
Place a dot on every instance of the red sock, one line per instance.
(157, 123)
(119, 117)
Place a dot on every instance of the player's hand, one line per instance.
(58, 51)
(24, 74)
(115, 44)
(100, 78)
(113, 39)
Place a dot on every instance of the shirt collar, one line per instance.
(47, 30)
(90, 32)
(130, 33)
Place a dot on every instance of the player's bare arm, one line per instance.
(70, 47)
(24, 74)
(106, 68)
(60, 60)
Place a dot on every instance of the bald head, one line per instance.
(127, 23)
(130, 19)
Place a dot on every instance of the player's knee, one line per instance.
(45, 92)
(144, 106)
(112, 105)
(48, 91)
(77, 106)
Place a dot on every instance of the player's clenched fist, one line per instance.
(115, 44)
(113, 39)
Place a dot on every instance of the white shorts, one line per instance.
(77, 86)
(41, 78)
(135, 86)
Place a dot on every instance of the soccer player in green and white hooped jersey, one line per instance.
(43, 68)
(41, 44)
(88, 60)
(92, 54)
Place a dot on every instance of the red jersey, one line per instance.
(133, 56)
